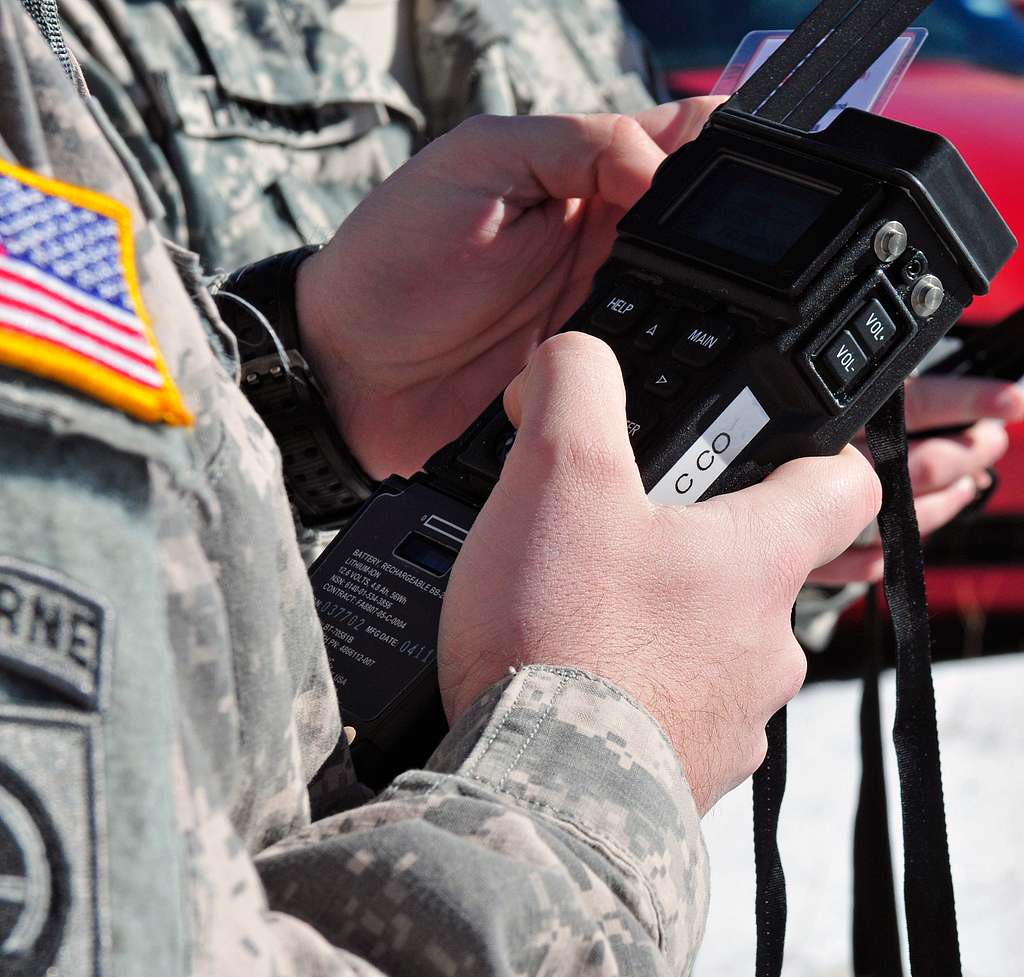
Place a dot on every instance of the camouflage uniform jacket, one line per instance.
(261, 124)
(164, 695)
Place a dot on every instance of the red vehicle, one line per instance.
(976, 571)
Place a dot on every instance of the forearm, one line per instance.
(553, 831)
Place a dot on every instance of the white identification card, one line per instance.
(712, 453)
(870, 92)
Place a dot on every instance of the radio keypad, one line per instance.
(641, 326)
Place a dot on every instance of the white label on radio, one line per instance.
(712, 453)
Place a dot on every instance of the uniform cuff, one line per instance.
(577, 750)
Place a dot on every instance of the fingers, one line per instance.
(947, 474)
(937, 463)
(808, 512)
(937, 402)
(527, 160)
(675, 123)
(936, 509)
(569, 407)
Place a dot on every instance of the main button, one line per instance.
(702, 344)
(621, 310)
(873, 327)
(844, 360)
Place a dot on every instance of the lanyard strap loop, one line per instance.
(927, 878)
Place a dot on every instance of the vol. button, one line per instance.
(875, 330)
(844, 360)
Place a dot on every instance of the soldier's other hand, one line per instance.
(435, 291)
(687, 609)
(947, 471)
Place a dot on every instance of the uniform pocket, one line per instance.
(283, 129)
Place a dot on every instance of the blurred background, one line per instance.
(968, 84)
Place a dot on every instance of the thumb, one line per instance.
(569, 406)
(810, 510)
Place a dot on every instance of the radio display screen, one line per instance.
(749, 211)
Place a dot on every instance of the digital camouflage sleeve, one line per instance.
(164, 694)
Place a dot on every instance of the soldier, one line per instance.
(165, 695)
(262, 125)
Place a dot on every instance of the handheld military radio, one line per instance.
(765, 298)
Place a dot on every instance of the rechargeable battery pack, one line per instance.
(378, 590)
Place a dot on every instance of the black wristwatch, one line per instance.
(325, 483)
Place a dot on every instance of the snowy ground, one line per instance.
(981, 724)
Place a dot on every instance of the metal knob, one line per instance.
(927, 296)
(891, 241)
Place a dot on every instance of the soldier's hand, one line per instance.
(434, 292)
(688, 609)
(947, 471)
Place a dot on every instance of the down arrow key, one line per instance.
(665, 383)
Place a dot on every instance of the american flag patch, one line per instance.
(70, 305)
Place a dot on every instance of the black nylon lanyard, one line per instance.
(770, 896)
(927, 878)
(928, 883)
(876, 932)
(803, 80)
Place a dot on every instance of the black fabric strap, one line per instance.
(770, 897)
(876, 934)
(928, 883)
(837, 42)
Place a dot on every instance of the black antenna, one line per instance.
(822, 58)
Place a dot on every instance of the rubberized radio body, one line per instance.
(764, 298)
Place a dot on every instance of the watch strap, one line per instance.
(324, 481)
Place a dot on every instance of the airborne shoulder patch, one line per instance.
(52, 631)
(53, 869)
(70, 305)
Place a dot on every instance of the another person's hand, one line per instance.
(947, 472)
(688, 609)
(434, 292)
